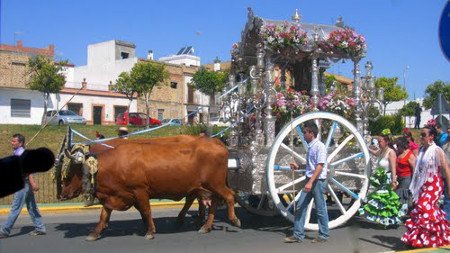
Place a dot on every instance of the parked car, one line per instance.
(171, 122)
(218, 121)
(63, 117)
(136, 119)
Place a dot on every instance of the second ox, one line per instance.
(132, 173)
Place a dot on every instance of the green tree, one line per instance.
(432, 92)
(408, 109)
(46, 77)
(392, 91)
(209, 82)
(124, 85)
(144, 76)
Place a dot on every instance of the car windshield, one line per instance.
(67, 113)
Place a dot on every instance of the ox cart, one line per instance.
(277, 59)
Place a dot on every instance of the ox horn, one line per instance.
(68, 154)
(61, 150)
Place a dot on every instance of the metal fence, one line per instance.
(46, 193)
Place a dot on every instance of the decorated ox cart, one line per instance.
(276, 83)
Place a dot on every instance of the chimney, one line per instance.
(84, 84)
(19, 43)
(51, 48)
(150, 55)
(216, 64)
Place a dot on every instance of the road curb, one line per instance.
(50, 208)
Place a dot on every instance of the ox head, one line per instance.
(70, 171)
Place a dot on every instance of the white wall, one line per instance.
(104, 73)
(100, 53)
(393, 108)
(88, 102)
(37, 106)
(188, 60)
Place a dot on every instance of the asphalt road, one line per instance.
(67, 231)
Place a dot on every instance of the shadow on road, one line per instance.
(168, 225)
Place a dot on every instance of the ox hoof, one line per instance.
(92, 237)
(204, 230)
(149, 237)
(236, 222)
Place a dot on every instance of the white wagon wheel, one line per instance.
(347, 166)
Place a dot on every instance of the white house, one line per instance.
(394, 107)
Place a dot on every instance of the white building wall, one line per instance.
(394, 107)
(89, 101)
(56, 102)
(100, 53)
(188, 60)
(103, 74)
(36, 111)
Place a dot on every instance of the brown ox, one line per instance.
(132, 173)
(98, 148)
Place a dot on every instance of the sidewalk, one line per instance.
(71, 207)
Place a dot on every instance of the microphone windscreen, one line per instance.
(37, 160)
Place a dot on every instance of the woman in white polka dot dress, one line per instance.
(428, 226)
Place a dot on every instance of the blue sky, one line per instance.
(402, 35)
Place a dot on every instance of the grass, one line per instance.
(51, 137)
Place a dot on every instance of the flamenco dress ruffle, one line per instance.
(428, 226)
(383, 204)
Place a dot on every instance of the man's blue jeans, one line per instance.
(24, 196)
(317, 192)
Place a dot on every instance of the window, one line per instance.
(173, 85)
(160, 114)
(76, 107)
(124, 55)
(22, 64)
(119, 110)
(21, 108)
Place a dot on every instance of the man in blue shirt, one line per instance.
(24, 196)
(442, 135)
(316, 175)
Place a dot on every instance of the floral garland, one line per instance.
(298, 103)
(283, 36)
(347, 41)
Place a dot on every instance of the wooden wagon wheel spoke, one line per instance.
(261, 202)
(293, 201)
(290, 184)
(299, 132)
(293, 153)
(346, 159)
(336, 199)
(339, 148)
(344, 188)
(354, 175)
(330, 134)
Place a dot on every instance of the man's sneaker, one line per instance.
(3, 235)
(291, 239)
(36, 232)
(318, 240)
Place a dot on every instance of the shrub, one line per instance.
(393, 122)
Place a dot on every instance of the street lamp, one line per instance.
(404, 87)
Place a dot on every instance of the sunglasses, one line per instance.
(423, 135)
